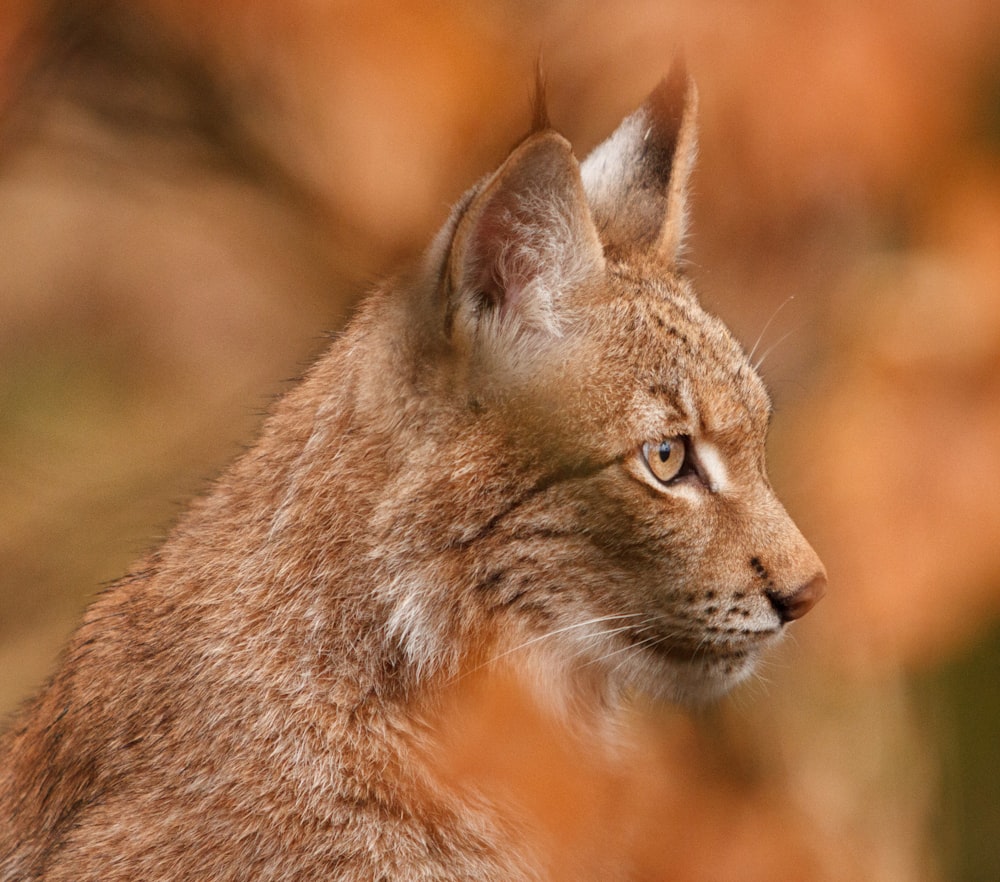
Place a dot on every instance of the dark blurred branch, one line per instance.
(140, 86)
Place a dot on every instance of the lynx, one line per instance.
(536, 457)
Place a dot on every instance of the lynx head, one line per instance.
(587, 482)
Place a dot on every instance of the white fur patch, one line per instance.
(612, 163)
(714, 468)
(416, 623)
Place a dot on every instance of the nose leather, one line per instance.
(794, 605)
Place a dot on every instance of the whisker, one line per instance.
(770, 348)
(652, 640)
(549, 634)
(612, 652)
(620, 649)
(704, 639)
(767, 324)
(648, 643)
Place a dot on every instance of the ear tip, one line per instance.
(676, 95)
(678, 68)
(680, 73)
(546, 141)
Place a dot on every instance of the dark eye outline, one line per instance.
(688, 467)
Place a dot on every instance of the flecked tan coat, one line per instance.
(537, 454)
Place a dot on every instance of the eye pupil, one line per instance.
(666, 459)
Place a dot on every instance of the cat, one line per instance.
(536, 455)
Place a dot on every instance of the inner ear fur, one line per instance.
(636, 181)
(525, 240)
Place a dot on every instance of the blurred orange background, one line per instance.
(190, 195)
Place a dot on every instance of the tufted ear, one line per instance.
(524, 242)
(636, 181)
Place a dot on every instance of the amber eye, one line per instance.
(667, 459)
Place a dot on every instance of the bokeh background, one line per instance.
(192, 194)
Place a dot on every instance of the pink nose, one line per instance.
(796, 604)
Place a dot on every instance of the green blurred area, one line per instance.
(961, 702)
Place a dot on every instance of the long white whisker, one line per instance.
(644, 644)
(548, 634)
(769, 349)
(620, 648)
(767, 324)
(652, 640)
(638, 645)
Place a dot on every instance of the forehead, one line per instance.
(678, 356)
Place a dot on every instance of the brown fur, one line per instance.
(457, 486)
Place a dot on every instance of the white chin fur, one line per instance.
(692, 683)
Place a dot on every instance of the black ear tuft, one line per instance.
(539, 106)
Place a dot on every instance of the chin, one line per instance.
(694, 682)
